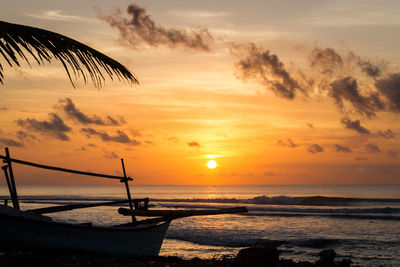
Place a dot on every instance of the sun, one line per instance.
(212, 164)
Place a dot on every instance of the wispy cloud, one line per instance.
(392, 154)
(260, 65)
(73, 112)
(54, 127)
(390, 88)
(10, 142)
(120, 136)
(58, 16)
(25, 136)
(388, 134)
(343, 149)
(111, 155)
(140, 29)
(372, 148)
(200, 14)
(269, 173)
(287, 143)
(194, 144)
(354, 125)
(315, 148)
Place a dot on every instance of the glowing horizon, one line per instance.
(312, 99)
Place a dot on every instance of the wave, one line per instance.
(287, 200)
(341, 216)
(258, 200)
(238, 242)
(255, 209)
(282, 206)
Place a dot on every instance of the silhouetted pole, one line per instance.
(14, 195)
(128, 192)
(8, 181)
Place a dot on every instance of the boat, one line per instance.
(31, 229)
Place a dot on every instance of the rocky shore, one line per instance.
(253, 256)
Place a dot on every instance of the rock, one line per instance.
(344, 263)
(258, 256)
(327, 256)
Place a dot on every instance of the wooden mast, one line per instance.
(128, 192)
(10, 180)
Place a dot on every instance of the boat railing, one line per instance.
(9, 175)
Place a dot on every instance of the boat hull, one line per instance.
(17, 232)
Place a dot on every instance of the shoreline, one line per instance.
(252, 256)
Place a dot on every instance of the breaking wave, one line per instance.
(259, 200)
(287, 200)
(281, 206)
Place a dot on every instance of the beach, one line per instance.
(360, 223)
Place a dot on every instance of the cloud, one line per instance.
(10, 142)
(315, 148)
(148, 142)
(386, 134)
(390, 88)
(310, 125)
(354, 125)
(392, 154)
(372, 148)
(140, 29)
(111, 155)
(74, 113)
(86, 147)
(3, 109)
(261, 66)
(288, 143)
(193, 144)
(199, 14)
(54, 127)
(334, 79)
(120, 136)
(344, 149)
(340, 77)
(372, 70)
(135, 132)
(173, 139)
(326, 60)
(269, 173)
(346, 89)
(361, 158)
(57, 16)
(25, 136)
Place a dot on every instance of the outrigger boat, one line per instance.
(31, 229)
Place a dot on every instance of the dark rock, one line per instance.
(327, 256)
(258, 256)
(344, 263)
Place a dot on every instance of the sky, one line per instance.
(276, 92)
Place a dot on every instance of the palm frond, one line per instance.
(45, 45)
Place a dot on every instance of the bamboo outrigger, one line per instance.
(31, 229)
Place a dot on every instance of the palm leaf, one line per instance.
(45, 45)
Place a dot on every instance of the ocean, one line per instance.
(361, 223)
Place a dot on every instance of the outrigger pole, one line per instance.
(128, 192)
(8, 172)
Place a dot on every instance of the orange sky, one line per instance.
(192, 103)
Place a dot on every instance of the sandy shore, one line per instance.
(256, 256)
